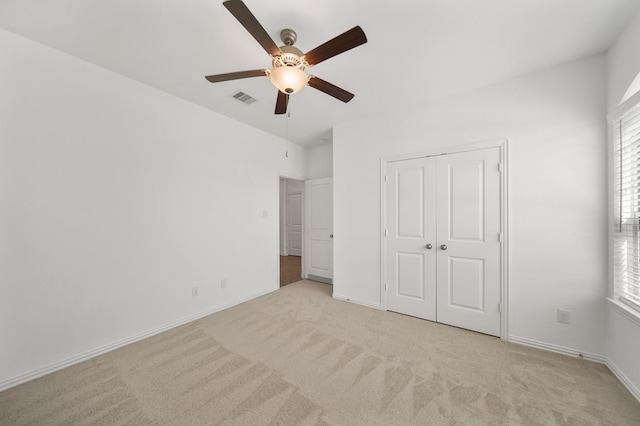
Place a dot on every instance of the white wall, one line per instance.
(623, 63)
(115, 200)
(623, 331)
(623, 346)
(320, 161)
(555, 123)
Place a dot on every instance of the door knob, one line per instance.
(443, 247)
(429, 246)
(331, 236)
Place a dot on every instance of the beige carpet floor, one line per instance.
(299, 357)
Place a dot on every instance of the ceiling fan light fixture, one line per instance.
(288, 79)
(288, 62)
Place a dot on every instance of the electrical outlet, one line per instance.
(194, 291)
(223, 283)
(564, 316)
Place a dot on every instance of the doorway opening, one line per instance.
(291, 230)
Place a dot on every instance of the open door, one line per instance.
(319, 230)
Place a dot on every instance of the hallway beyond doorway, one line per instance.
(290, 269)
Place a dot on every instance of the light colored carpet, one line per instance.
(297, 356)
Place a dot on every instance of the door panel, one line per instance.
(320, 208)
(411, 274)
(468, 277)
(319, 228)
(410, 203)
(321, 255)
(465, 192)
(467, 283)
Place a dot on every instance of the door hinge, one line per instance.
(500, 167)
(385, 232)
(386, 178)
(500, 307)
(500, 237)
(386, 286)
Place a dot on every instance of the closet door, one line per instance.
(443, 239)
(411, 228)
(468, 228)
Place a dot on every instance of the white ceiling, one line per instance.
(417, 50)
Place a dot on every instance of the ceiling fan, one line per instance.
(288, 63)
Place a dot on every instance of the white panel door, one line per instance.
(319, 228)
(411, 266)
(468, 231)
(294, 224)
(443, 247)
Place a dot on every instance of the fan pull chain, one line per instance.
(286, 154)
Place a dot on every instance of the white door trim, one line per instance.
(503, 145)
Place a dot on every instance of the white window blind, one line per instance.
(626, 158)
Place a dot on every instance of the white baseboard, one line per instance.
(319, 279)
(23, 378)
(357, 301)
(624, 379)
(558, 349)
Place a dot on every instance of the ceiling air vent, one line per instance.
(244, 98)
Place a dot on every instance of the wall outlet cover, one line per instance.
(564, 316)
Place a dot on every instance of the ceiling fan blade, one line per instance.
(345, 41)
(330, 89)
(281, 103)
(236, 75)
(246, 18)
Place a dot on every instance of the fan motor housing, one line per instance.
(291, 57)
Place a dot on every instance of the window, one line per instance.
(625, 127)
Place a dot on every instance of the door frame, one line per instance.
(503, 145)
(289, 176)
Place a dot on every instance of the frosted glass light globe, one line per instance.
(288, 79)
